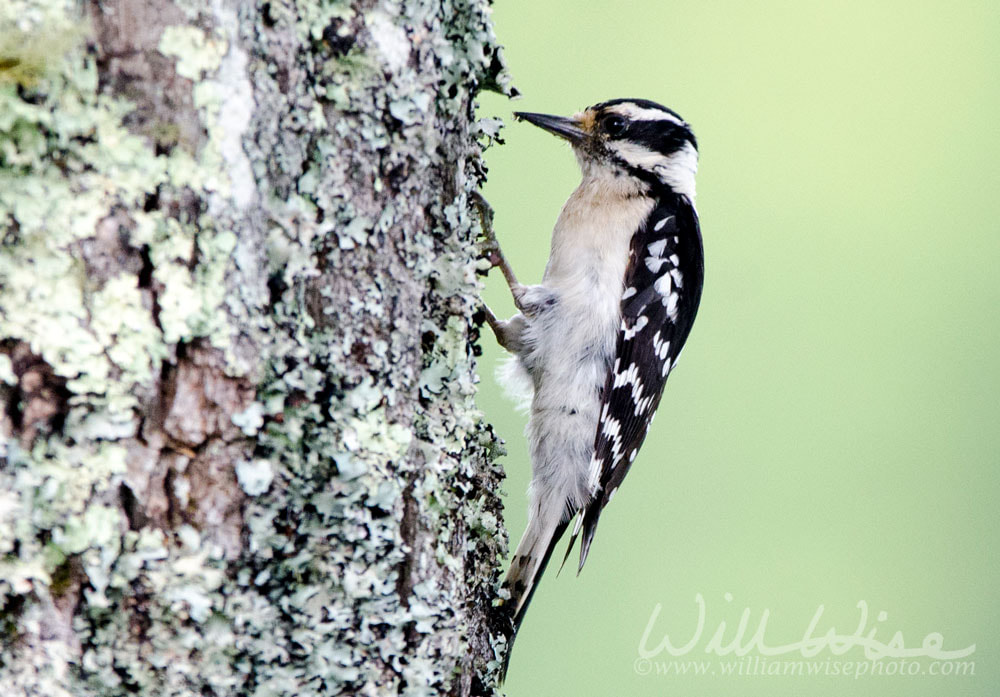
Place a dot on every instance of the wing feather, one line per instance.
(662, 290)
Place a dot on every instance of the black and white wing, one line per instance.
(663, 283)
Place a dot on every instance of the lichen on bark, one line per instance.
(240, 450)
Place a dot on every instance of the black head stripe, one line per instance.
(665, 137)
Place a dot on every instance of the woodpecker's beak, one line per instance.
(564, 127)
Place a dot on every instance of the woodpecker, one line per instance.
(595, 341)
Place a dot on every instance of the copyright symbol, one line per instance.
(642, 666)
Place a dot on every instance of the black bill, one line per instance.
(560, 125)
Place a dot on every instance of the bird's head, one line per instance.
(629, 137)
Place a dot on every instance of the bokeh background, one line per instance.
(832, 432)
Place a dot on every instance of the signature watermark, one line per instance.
(821, 651)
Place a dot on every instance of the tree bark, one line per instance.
(238, 279)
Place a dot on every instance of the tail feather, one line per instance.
(588, 520)
(572, 541)
(526, 568)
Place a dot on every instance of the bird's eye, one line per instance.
(613, 125)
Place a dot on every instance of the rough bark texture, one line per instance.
(240, 453)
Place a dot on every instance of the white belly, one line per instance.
(571, 343)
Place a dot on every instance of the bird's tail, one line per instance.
(533, 552)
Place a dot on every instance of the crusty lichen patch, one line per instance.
(379, 432)
(99, 286)
(288, 288)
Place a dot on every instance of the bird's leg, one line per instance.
(492, 247)
(508, 332)
(499, 328)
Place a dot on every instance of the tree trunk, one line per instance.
(240, 450)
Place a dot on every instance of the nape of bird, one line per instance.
(597, 338)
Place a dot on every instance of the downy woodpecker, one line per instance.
(598, 337)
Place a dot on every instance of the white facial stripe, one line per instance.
(676, 170)
(679, 170)
(634, 113)
(637, 155)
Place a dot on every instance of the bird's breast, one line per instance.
(575, 340)
(590, 251)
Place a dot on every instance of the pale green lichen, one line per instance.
(255, 476)
(196, 52)
(7, 374)
(314, 605)
(66, 164)
(32, 44)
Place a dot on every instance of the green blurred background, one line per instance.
(832, 433)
